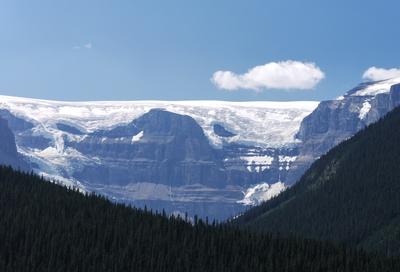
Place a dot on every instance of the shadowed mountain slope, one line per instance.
(351, 194)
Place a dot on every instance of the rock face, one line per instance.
(159, 147)
(206, 158)
(8, 149)
(336, 120)
(165, 161)
(221, 131)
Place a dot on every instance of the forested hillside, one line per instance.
(351, 194)
(46, 227)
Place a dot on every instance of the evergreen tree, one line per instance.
(46, 227)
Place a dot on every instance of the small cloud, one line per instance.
(287, 75)
(375, 74)
(88, 46)
(85, 46)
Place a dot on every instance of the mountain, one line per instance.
(350, 194)
(46, 227)
(190, 156)
(211, 158)
(334, 121)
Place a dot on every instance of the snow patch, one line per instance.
(287, 159)
(366, 107)
(137, 137)
(285, 162)
(340, 97)
(257, 163)
(267, 160)
(262, 192)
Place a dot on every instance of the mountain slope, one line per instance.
(45, 227)
(351, 194)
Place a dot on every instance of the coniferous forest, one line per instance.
(46, 227)
(351, 194)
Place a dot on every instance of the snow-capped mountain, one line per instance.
(162, 154)
(202, 157)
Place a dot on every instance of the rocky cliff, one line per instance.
(8, 149)
(334, 121)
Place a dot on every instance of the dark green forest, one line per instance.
(46, 227)
(351, 194)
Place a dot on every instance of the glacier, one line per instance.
(260, 123)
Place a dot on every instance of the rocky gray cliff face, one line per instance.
(159, 147)
(171, 149)
(164, 160)
(336, 120)
(8, 149)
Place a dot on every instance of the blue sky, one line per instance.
(170, 50)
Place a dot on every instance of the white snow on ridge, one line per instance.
(263, 123)
(377, 87)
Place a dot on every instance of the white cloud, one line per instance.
(376, 74)
(274, 75)
(88, 46)
(85, 46)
